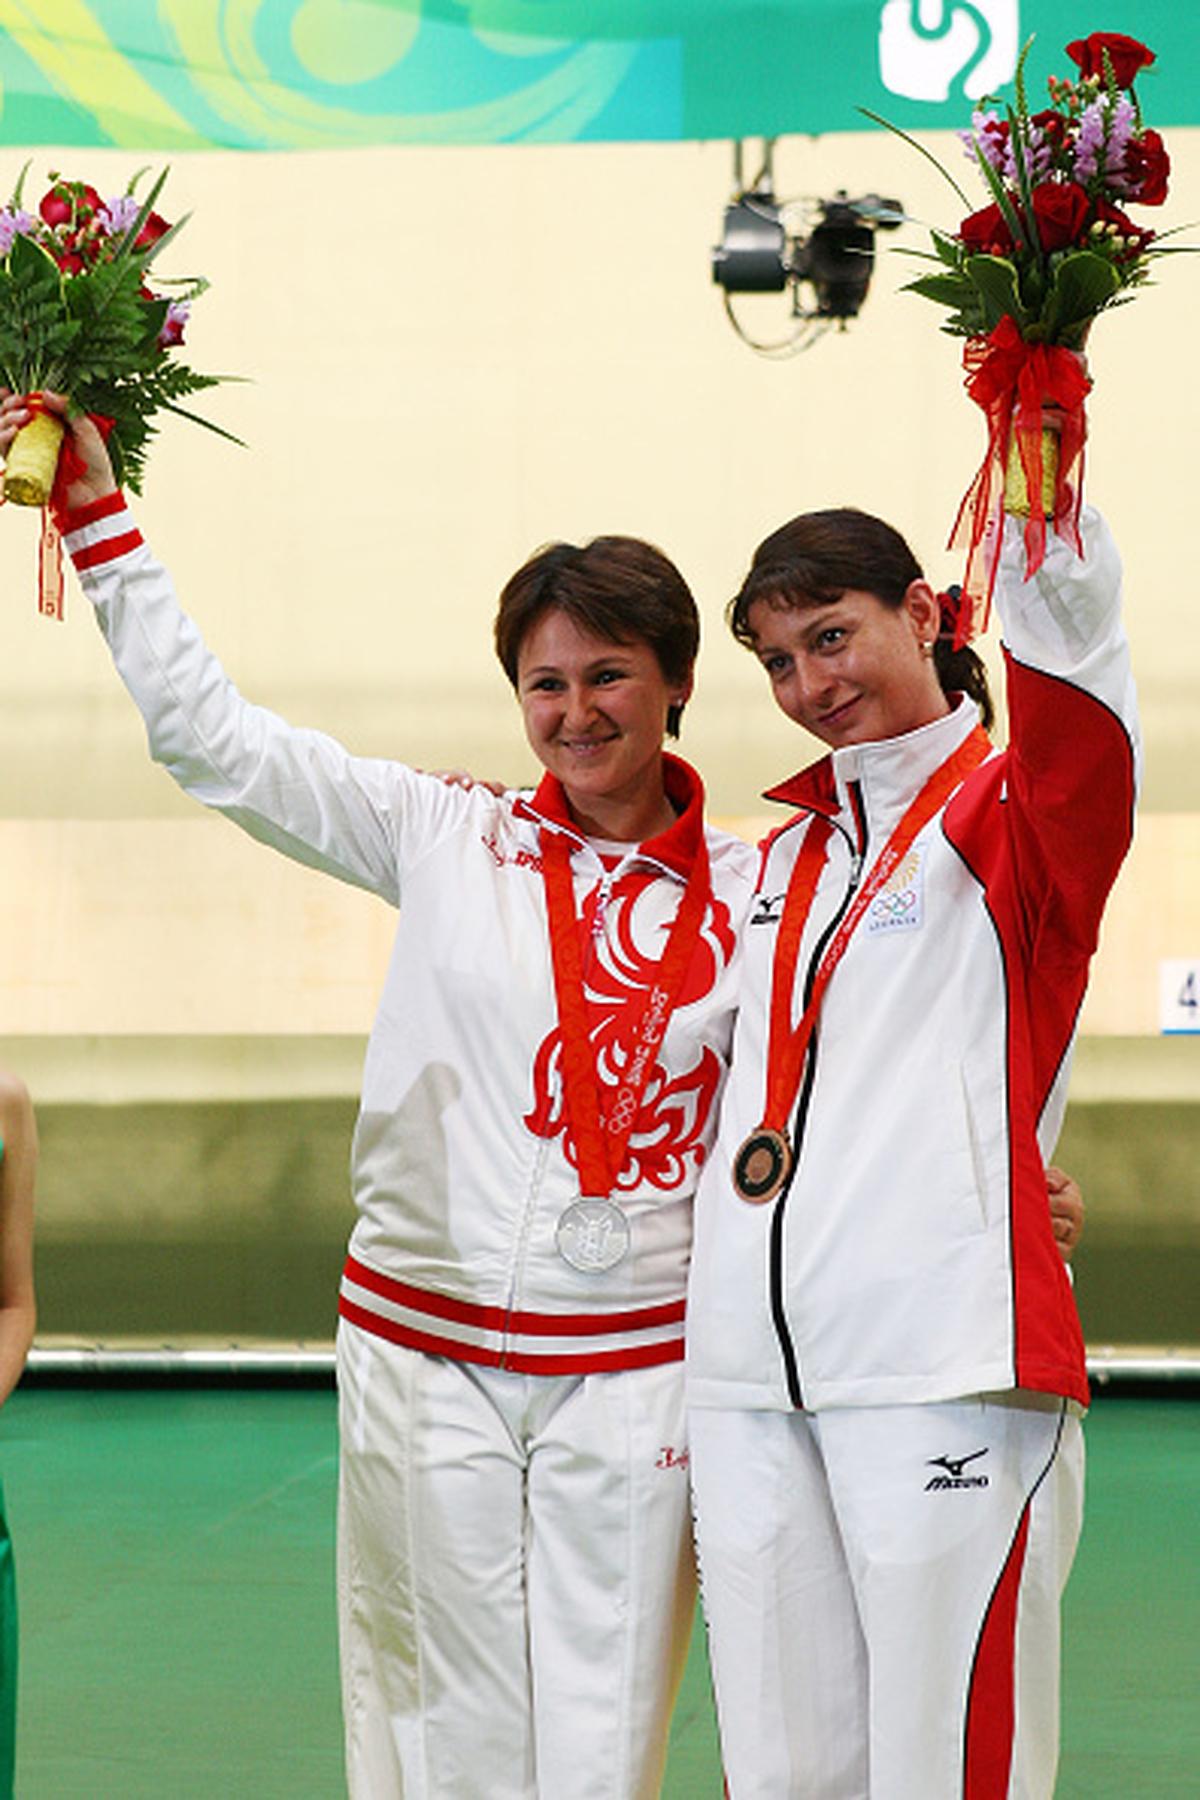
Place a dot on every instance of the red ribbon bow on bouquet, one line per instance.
(1012, 381)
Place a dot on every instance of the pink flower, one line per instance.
(990, 132)
(13, 225)
(118, 215)
(173, 324)
(1089, 144)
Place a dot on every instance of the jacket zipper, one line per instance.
(778, 1307)
(522, 1249)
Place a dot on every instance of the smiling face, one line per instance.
(852, 670)
(595, 713)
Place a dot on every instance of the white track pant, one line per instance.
(882, 1592)
(515, 1577)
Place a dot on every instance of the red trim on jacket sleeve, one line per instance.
(1071, 793)
(1043, 829)
(104, 508)
(1041, 1004)
(91, 556)
(100, 532)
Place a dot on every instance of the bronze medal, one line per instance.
(764, 1162)
(761, 1166)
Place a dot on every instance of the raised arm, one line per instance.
(296, 789)
(1074, 751)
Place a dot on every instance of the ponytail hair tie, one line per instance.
(955, 622)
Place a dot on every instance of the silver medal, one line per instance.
(592, 1235)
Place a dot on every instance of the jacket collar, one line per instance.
(675, 848)
(889, 771)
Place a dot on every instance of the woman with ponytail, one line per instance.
(885, 1364)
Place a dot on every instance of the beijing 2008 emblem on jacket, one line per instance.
(623, 932)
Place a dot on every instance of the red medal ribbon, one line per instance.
(602, 1131)
(787, 1045)
(1012, 380)
(50, 569)
(70, 466)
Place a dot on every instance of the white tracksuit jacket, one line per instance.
(911, 1258)
(462, 1164)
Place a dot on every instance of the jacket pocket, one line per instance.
(975, 1134)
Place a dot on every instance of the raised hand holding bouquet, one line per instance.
(78, 316)
(1024, 277)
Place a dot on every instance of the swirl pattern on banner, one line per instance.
(296, 74)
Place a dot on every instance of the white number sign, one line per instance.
(1179, 996)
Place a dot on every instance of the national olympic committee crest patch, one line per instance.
(899, 904)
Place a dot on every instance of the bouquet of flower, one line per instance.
(1024, 277)
(78, 315)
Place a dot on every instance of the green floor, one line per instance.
(174, 1553)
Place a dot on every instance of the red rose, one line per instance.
(1147, 165)
(151, 231)
(1125, 54)
(986, 233)
(55, 209)
(66, 200)
(1060, 210)
(1136, 239)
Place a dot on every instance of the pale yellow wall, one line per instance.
(185, 927)
(453, 356)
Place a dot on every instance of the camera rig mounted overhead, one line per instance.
(823, 251)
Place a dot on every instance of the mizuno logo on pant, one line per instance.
(953, 1476)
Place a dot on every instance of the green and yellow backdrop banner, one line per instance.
(311, 74)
